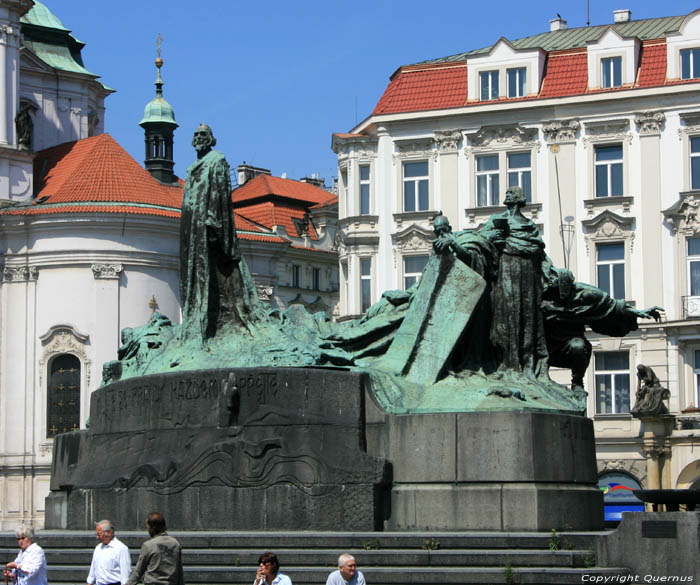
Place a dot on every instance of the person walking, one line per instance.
(111, 563)
(29, 568)
(160, 561)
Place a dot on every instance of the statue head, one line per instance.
(515, 196)
(203, 140)
(441, 225)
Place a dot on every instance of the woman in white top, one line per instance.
(29, 568)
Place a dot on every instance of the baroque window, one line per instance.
(63, 397)
(608, 170)
(412, 269)
(612, 382)
(610, 265)
(416, 193)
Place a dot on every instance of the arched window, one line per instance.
(63, 398)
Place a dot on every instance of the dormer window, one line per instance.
(516, 82)
(489, 85)
(611, 74)
(690, 63)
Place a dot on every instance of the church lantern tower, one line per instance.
(159, 126)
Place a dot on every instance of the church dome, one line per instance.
(158, 110)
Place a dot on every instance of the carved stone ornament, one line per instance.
(691, 124)
(503, 134)
(9, 35)
(558, 131)
(607, 130)
(414, 149)
(64, 338)
(683, 215)
(649, 122)
(448, 141)
(106, 271)
(608, 226)
(637, 469)
(20, 273)
(410, 240)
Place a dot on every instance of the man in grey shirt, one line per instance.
(160, 561)
(347, 573)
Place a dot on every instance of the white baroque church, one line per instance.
(89, 242)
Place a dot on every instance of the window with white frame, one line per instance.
(695, 162)
(612, 382)
(343, 192)
(416, 192)
(611, 72)
(693, 248)
(487, 180)
(489, 85)
(690, 63)
(608, 170)
(516, 81)
(365, 203)
(344, 283)
(365, 283)
(520, 172)
(696, 375)
(295, 275)
(610, 264)
(316, 278)
(412, 269)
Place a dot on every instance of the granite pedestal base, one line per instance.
(259, 448)
(488, 470)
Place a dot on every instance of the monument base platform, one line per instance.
(529, 471)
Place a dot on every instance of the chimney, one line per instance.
(314, 180)
(624, 15)
(557, 23)
(248, 172)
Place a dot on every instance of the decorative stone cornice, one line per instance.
(558, 131)
(417, 148)
(691, 124)
(448, 141)
(106, 271)
(649, 122)
(684, 215)
(20, 273)
(515, 133)
(608, 226)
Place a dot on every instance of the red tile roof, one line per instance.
(98, 169)
(566, 73)
(439, 86)
(89, 208)
(275, 213)
(417, 88)
(266, 186)
(652, 70)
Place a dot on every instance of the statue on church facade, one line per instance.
(24, 125)
(215, 292)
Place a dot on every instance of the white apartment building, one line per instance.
(601, 128)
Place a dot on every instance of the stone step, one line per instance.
(393, 575)
(328, 558)
(262, 541)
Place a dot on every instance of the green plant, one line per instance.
(554, 543)
(431, 544)
(377, 544)
(589, 561)
(508, 573)
(367, 545)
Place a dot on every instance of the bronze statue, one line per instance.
(214, 294)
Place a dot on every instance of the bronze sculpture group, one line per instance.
(480, 329)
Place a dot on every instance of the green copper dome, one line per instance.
(158, 110)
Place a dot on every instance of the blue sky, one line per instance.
(275, 79)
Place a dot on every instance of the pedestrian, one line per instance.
(160, 561)
(111, 563)
(269, 571)
(29, 568)
(347, 573)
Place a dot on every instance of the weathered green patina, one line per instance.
(476, 333)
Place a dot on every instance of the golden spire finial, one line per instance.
(159, 61)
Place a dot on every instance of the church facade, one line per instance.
(600, 126)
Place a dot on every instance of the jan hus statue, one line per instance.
(216, 289)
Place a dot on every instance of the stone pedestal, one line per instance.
(488, 470)
(253, 449)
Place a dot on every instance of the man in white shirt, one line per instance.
(347, 573)
(111, 563)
